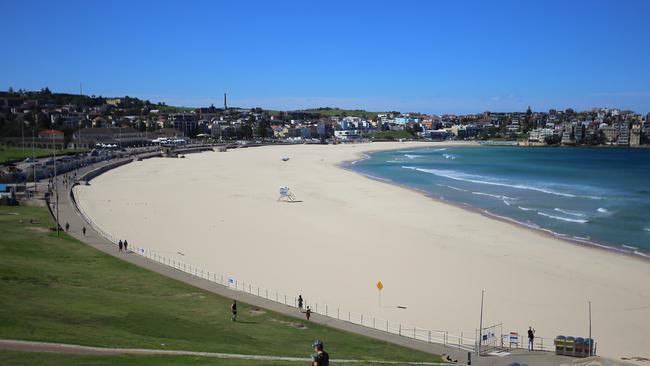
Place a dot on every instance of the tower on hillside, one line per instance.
(225, 101)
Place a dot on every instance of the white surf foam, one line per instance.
(572, 213)
(410, 156)
(451, 174)
(493, 195)
(580, 221)
(452, 187)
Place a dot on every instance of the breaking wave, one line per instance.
(451, 174)
(580, 221)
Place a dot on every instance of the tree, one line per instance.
(552, 139)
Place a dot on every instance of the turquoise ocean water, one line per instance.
(597, 196)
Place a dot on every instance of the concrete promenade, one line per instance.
(68, 213)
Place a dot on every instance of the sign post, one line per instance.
(380, 286)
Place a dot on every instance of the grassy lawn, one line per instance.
(13, 153)
(391, 135)
(60, 290)
(16, 358)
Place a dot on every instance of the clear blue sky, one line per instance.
(427, 56)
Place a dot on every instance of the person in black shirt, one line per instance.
(531, 338)
(320, 358)
(233, 309)
(300, 302)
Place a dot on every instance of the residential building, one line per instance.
(89, 137)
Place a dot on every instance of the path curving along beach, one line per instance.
(220, 212)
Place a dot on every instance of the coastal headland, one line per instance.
(346, 232)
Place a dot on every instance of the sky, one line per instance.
(411, 56)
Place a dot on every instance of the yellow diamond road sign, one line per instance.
(380, 285)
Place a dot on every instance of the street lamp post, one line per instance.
(56, 184)
(480, 327)
(591, 347)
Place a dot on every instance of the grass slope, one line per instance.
(15, 153)
(60, 290)
(18, 358)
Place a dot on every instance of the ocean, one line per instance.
(595, 196)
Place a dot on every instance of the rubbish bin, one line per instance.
(559, 344)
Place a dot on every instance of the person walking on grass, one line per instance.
(300, 302)
(308, 313)
(233, 310)
(84, 231)
(320, 358)
(126, 244)
(119, 245)
(531, 338)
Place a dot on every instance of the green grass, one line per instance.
(60, 290)
(18, 358)
(391, 135)
(13, 153)
(336, 112)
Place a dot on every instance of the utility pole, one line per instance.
(480, 327)
(591, 347)
(56, 184)
(34, 157)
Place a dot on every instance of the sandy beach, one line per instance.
(220, 212)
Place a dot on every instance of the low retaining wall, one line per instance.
(102, 169)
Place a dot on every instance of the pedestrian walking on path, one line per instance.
(126, 249)
(233, 310)
(67, 226)
(308, 313)
(531, 338)
(84, 231)
(300, 302)
(320, 358)
(119, 245)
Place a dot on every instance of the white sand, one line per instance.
(220, 210)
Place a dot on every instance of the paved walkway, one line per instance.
(29, 346)
(68, 213)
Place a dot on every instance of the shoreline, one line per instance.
(422, 251)
(566, 238)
